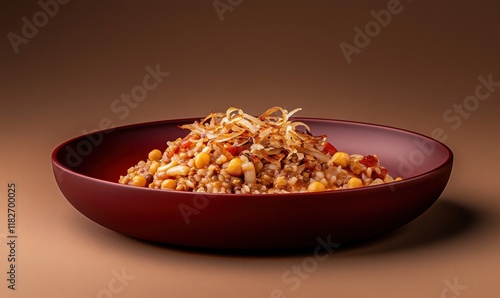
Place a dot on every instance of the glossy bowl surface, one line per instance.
(87, 168)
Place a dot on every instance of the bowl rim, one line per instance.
(63, 167)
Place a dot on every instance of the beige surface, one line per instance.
(66, 78)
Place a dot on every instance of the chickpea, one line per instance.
(138, 180)
(354, 182)
(155, 154)
(234, 167)
(201, 160)
(316, 186)
(154, 167)
(340, 159)
(168, 184)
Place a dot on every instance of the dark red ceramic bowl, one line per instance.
(87, 168)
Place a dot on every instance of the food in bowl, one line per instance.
(234, 152)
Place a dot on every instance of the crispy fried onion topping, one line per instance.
(271, 136)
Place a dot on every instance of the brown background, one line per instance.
(263, 53)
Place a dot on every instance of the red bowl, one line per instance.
(87, 169)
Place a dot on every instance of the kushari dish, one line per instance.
(236, 153)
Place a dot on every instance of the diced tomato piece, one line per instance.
(185, 144)
(170, 154)
(328, 148)
(383, 173)
(369, 160)
(235, 151)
